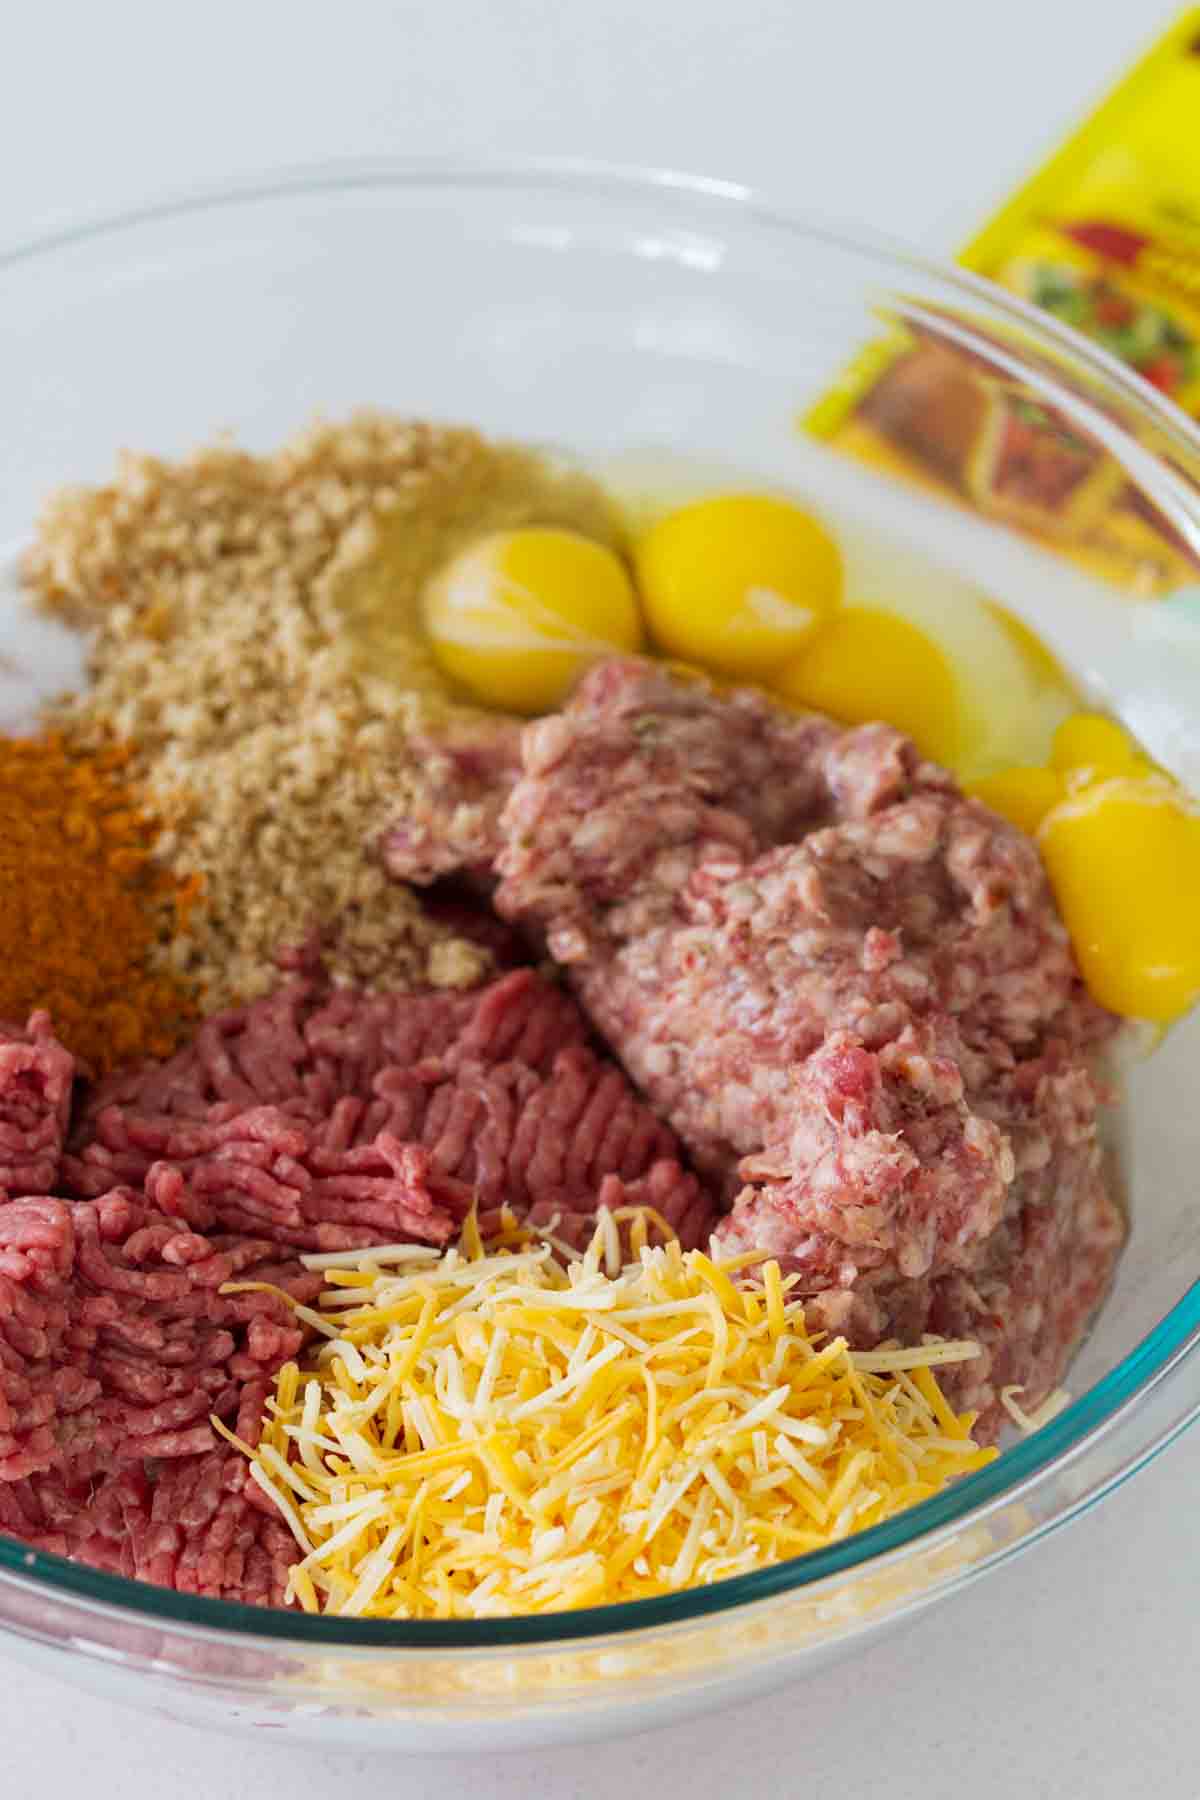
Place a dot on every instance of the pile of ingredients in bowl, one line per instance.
(526, 1084)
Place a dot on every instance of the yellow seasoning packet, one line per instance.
(1106, 238)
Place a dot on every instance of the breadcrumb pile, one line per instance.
(255, 641)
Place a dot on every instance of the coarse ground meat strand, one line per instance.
(36, 1078)
(92, 1520)
(39, 1383)
(200, 1527)
(115, 1341)
(209, 1530)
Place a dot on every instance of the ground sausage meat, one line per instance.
(714, 957)
(846, 986)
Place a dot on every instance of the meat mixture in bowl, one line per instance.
(672, 952)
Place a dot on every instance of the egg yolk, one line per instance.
(1121, 845)
(1123, 857)
(1088, 748)
(1022, 795)
(517, 617)
(865, 664)
(1040, 661)
(737, 583)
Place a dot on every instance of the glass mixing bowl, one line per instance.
(598, 310)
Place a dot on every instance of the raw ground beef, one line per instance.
(317, 1118)
(200, 1525)
(846, 986)
(115, 1344)
(36, 1074)
(325, 1119)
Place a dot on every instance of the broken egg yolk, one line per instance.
(866, 664)
(1123, 857)
(737, 583)
(1121, 845)
(1089, 748)
(1022, 795)
(518, 616)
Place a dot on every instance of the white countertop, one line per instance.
(1073, 1672)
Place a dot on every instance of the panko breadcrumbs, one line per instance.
(255, 639)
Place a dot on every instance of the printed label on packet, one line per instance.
(1106, 238)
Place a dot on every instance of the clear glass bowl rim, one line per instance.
(1171, 1352)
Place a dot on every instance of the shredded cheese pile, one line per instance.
(1029, 1422)
(498, 1432)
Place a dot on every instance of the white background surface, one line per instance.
(1073, 1672)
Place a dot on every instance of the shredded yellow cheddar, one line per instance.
(497, 1431)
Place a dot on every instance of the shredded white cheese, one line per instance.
(492, 1433)
(1028, 1422)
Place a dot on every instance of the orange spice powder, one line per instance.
(84, 906)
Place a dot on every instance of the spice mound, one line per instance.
(85, 909)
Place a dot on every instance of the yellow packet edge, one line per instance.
(992, 242)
